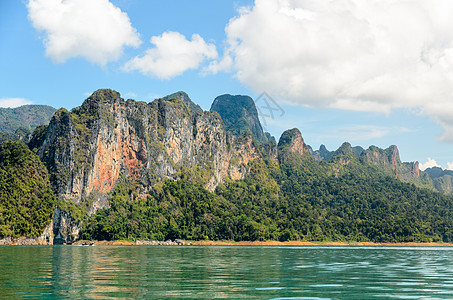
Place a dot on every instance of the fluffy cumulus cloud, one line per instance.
(348, 54)
(429, 164)
(450, 166)
(13, 102)
(94, 29)
(172, 55)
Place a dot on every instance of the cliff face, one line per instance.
(345, 154)
(108, 139)
(195, 108)
(291, 144)
(322, 154)
(389, 159)
(240, 115)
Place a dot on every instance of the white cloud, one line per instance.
(94, 29)
(13, 102)
(347, 54)
(172, 55)
(450, 166)
(428, 164)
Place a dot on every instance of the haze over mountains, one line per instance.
(17, 123)
(168, 169)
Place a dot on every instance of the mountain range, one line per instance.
(18, 123)
(168, 169)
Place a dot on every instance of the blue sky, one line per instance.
(370, 73)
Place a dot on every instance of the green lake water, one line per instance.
(202, 272)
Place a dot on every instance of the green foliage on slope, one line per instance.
(27, 116)
(296, 201)
(26, 199)
(363, 204)
(179, 209)
(20, 135)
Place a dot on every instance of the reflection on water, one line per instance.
(133, 272)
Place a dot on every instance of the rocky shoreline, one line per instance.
(23, 241)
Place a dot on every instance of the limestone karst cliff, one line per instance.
(240, 115)
(107, 139)
(291, 142)
(109, 144)
(389, 161)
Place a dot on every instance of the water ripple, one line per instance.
(112, 272)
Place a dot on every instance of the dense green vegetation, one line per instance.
(27, 117)
(20, 135)
(351, 195)
(26, 199)
(300, 200)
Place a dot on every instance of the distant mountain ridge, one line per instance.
(388, 160)
(442, 179)
(26, 116)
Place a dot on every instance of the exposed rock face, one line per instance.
(46, 238)
(415, 169)
(394, 156)
(269, 149)
(6, 241)
(322, 154)
(291, 142)
(390, 159)
(239, 115)
(269, 137)
(195, 108)
(106, 139)
(345, 154)
(62, 224)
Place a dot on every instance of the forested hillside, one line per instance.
(26, 199)
(168, 170)
(295, 198)
(26, 117)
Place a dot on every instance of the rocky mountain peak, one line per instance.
(436, 172)
(378, 156)
(416, 169)
(345, 154)
(195, 108)
(108, 139)
(442, 179)
(102, 96)
(393, 156)
(239, 115)
(322, 153)
(389, 161)
(292, 141)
